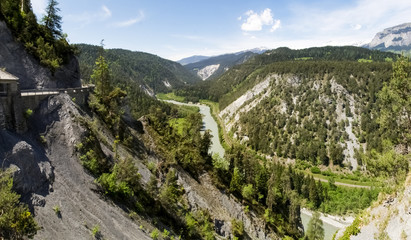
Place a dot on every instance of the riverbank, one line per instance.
(331, 224)
(209, 124)
(336, 221)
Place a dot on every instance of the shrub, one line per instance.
(16, 221)
(57, 210)
(248, 192)
(28, 113)
(315, 170)
(155, 234)
(95, 232)
(237, 228)
(166, 234)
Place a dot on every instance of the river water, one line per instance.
(216, 147)
(329, 229)
(208, 123)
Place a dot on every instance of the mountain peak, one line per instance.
(393, 38)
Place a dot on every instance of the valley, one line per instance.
(101, 142)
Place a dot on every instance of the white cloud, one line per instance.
(86, 18)
(357, 27)
(106, 11)
(276, 25)
(255, 21)
(39, 6)
(130, 22)
(357, 22)
(187, 37)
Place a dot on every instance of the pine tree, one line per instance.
(236, 181)
(396, 102)
(101, 77)
(315, 230)
(52, 20)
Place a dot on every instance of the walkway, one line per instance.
(42, 92)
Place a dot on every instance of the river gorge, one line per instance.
(329, 224)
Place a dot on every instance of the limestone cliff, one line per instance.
(393, 38)
(389, 218)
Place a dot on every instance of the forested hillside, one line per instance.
(46, 42)
(237, 80)
(318, 104)
(151, 73)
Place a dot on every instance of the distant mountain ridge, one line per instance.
(397, 38)
(214, 67)
(192, 59)
(198, 58)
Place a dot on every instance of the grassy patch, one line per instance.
(341, 179)
(363, 60)
(303, 58)
(170, 96)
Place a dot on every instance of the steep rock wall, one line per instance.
(15, 59)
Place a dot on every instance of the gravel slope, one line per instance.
(73, 190)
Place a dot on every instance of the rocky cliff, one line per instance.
(15, 59)
(49, 174)
(393, 38)
(389, 218)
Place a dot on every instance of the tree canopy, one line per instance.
(52, 20)
(16, 222)
(396, 102)
(315, 230)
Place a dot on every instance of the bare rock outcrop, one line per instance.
(32, 172)
(74, 191)
(32, 75)
(222, 207)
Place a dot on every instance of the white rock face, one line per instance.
(167, 84)
(352, 143)
(398, 36)
(206, 72)
(231, 114)
(391, 218)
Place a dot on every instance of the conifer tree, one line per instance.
(315, 230)
(396, 102)
(101, 75)
(52, 20)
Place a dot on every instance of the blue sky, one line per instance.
(174, 29)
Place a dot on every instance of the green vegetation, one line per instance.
(16, 222)
(136, 68)
(45, 42)
(343, 200)
(28, 113)
(170, 96)
(51, 20)
(155, 234)
(315, 230)
(119, 178)
(57, 210)
(303, 58)
(396, 102)
(353, 229)
(95, 232)
(237, 228)
(240, 78)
